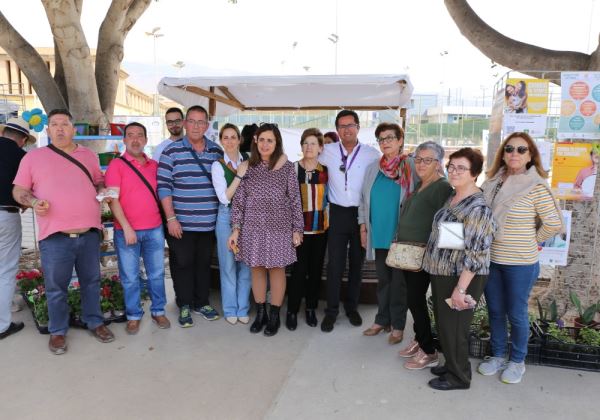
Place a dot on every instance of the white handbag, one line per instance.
(451, 235)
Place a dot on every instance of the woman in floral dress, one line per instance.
(267, 223)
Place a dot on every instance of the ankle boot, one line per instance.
(261, 318)
(274, 322)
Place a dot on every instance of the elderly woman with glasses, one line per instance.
(387, 183)
(457, 258)
(307, 271)
(267, 223)
(414, 226)
(527, 214)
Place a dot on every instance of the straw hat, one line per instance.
(20, 125)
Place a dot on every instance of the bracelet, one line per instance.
(461, 291)
(34, 202)
(236, 226)
(171, 218)
(239, 177)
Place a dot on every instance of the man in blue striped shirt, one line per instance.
(190, 203)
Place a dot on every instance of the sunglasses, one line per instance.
(521, 149)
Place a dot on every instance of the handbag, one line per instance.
(406, 256)
(451, 235)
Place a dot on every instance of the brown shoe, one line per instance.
(57, 344)
(421, 360)
(133, 327)
(374, 330)
(410, 350)
(396, 337)
(161, 321)
(103, 334)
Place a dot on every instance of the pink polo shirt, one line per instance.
(135, 198)
(68, 190)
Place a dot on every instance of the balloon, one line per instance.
(35, 120)
(37, 111)
(38, 128)
(26, 115)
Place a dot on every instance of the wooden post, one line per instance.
(212, 105)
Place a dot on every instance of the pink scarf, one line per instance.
(400, 171)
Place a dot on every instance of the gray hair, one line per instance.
(436, 148)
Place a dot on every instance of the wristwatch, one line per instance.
(461, 291)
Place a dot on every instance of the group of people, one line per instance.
(343, 198)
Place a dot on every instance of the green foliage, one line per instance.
(586, 315)
(561, 334)
(74, 300)
(549, 314)
(589, 336)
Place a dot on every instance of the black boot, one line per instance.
(261, 318)
(311, 318)
(291, 321)
(274, 322)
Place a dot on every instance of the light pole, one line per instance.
(155, 34)
(334, 38)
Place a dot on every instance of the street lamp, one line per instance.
(155, 34)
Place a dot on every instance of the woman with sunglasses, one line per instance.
(267, 223)
(527, 214)
(387, 183)
(458, 265)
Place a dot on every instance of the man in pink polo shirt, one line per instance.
(138, 227)
(63, 196)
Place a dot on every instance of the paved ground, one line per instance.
(218, 371)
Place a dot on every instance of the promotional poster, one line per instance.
(574, 170)
(579, 108)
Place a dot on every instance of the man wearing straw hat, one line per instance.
(14, 135)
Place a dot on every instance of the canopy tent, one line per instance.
(226, 95)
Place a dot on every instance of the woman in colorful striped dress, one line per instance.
(527, 214)
(307, 270)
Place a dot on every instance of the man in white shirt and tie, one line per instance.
(347, 162)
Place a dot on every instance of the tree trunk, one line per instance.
(120, 18)
(31, 64)
(76, 59)
(513, 54)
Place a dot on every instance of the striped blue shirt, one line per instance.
(179, 176)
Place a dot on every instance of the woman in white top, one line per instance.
(235, 275)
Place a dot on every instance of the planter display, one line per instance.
(565, 347)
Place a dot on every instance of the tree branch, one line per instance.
(507, 51)
(120, 18)
(31, 64)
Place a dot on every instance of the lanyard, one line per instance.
(347, 167)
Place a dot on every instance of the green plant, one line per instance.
(74, 300)
(549, 314)
(586, 315)
(117, 296)
(559, 333)
(481, 323)
(40, 305)
(589, 336)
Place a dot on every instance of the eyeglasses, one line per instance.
(174, 122)
(305, 144)
(347, 127)
(268, 125)
(426, 161)
(387, 139)
(509, 148)
(458, 169)
(197, 123)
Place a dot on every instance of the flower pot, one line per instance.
(108, 315)
(578, 324)
(118, 312)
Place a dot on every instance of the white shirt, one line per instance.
(218, 177)
(159, 149)
(338, 192)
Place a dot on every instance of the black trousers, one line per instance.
(416, 292)
(191, 267)
(306, 272)
(453, 326)
(343, 241)
(391, 294)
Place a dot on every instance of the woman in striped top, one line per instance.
(306, 271)
(527, 214)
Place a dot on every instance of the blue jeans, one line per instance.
(59, 254)
(235, 275)
(150, 246)
(507, 294)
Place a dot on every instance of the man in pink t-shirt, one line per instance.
(63, 197)
(138, 227)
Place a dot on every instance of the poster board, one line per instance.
(555, 250)
(580, 105)
(574, 170)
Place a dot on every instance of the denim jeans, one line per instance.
(10, 251)
(150, 246)
(59, 254)
(235, 276)
(507, 294)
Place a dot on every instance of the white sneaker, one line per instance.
(244, 319)
(513, 373)
(231, 319)
(491, 366)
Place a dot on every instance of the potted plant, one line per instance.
(74, 301)
(586, 315)
(117, 297)
(105, 298)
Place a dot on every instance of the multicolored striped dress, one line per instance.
(313, 191)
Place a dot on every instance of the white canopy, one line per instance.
(230, 94)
